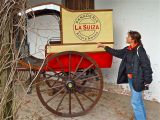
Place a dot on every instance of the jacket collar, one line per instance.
(133, 47)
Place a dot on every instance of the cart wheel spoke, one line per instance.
(87, 79)
(61, 66)
(69, 102)
(92, 88)
(79, 101)
(55, 95)
(52, 88)
(61, 101)
(84, 71)
(52, 70)
(85, 95)
(78, 65)
(69, 64)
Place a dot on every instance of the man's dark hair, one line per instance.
(135, 36)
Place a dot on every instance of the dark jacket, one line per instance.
(142, 71)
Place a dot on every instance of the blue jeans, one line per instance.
(137, 103)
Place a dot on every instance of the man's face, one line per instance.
(129, 40)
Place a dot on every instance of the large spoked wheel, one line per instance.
(75, 90)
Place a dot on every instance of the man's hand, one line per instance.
(100, 45)
(146, 86)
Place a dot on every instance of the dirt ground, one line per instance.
(110, 107)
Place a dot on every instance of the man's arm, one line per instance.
(117, 53)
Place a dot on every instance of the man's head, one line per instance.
(133, 37)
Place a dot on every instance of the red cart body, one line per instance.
(103, 59)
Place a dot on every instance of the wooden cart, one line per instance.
(71, 69)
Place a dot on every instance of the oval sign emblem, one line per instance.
(87, 27)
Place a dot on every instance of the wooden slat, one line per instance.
(78, 4)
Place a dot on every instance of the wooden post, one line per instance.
(78, 4)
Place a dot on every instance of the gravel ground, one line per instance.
(110, 107)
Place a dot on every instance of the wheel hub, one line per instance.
(70, 84)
